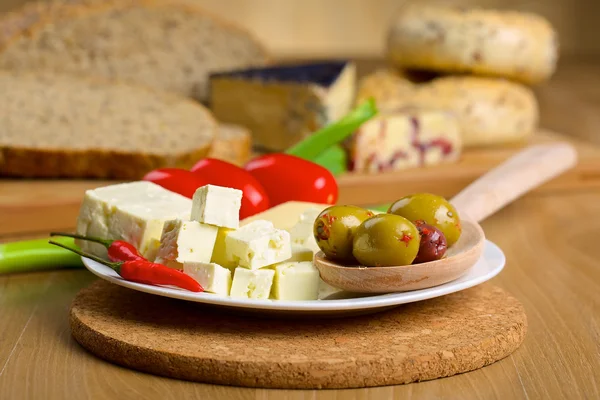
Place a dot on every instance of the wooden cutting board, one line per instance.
(414, 342)
(52, 205)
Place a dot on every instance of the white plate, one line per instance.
(490, 264)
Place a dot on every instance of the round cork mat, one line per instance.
(420, 341)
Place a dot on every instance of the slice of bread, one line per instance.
(232, 144)
(54, 125)
(159, 43)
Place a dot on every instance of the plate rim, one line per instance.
(359, 303)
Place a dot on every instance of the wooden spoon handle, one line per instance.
(511, 179)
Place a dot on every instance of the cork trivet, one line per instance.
(420, 341)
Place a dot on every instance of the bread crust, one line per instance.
(55, 12)
(515, 45)
(94, 164)
(235, 149)
(22, 161)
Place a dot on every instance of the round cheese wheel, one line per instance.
(489, 111)
(515, 45)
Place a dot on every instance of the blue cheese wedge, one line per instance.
(296, 281)
(282, 105)
(217, 205)
(186, 241)
(258, 244)
(252, 284)
(134, 212)
(212, 277)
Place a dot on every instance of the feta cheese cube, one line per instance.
(300, 253)
(134, 212)
(183, 241)
(296, 281)
(301, 234)
(219, 255)
(217, 205)
(310, 215)
(213, 277)
(258, 244)
(252, 284)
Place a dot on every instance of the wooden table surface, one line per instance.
(551, 241)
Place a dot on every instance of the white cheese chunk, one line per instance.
(252, 284)
(258, 244)
(300, 253)
(186, 241)
(213, 277)
(296, 281)
(217, 205)
(219, 255)
(134, 212)
(301, 234)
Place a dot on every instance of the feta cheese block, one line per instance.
(212, 277)
(301, 253)
(134, 212)
(219, 255)
(217, 205)
(296, 281)
(258, 245)
(407, 138)
(183, 241)
(282, 105)
(301, 234)
(252, 284)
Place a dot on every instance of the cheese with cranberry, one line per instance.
(407, 138)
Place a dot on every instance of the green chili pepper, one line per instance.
(332, 134)
(334, 159)
(37, 255)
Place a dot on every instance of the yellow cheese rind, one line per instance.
(285, 215)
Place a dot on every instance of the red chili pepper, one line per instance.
(144, 271)
(118, 250)
(222, 173)
(176, 180)
(290, 178)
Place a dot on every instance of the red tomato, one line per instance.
(222, 173)
(176, 180)
(290, 178)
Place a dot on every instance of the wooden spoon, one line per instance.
(526, 170)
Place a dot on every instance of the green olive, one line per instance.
(431, 209)
(334, 230)
(385, 240)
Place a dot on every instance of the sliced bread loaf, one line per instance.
(159, 43)
(232, 144)
(54, 125)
